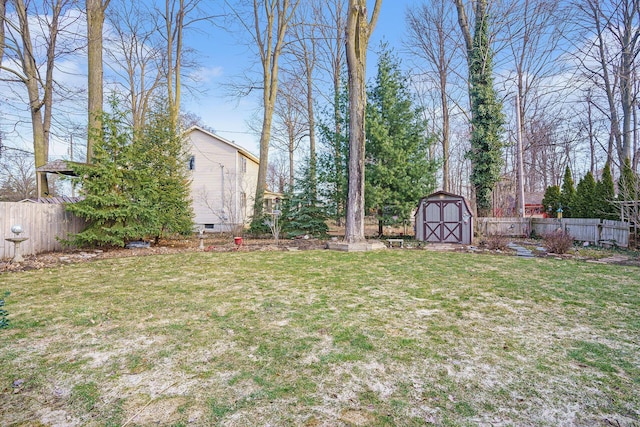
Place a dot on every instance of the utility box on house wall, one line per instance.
(444, 217)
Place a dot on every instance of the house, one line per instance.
(223, 181)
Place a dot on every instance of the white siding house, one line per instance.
(223, 181)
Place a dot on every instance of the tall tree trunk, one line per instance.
(615, 136)
(309, 65)
(278, 15)
(3, 12)
(95, 22)
(629, 41)
(174, 28)
(358, 34)
(40, 109)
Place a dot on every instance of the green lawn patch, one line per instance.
(322, 338)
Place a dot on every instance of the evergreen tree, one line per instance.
(605, 194)
(487, 118)
(302, 212)
(567, 194)
(398, 168)
(333, 160)
(629, 193)
(628, 185)
(161, 151)
(131, 188)
(552, 199)
(585, 199)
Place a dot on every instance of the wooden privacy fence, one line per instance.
(43, 224)
(591, 230)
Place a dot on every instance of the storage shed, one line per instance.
(444, 217)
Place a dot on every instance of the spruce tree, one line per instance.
(567, 194)
(160, 151)
(115, 214)
(398, 168)
(302, 212)
(136, 186)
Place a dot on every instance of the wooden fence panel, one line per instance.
(581, 229)
(507, 226)
(43, 224)
(615, 232)
(542, 226)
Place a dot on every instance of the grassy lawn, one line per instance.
(322, 338)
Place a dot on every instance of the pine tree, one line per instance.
(161, 151)
(135, 188)
(302, 212)
(398, 168)
(585, 199)
(567, 194)
(107, 184)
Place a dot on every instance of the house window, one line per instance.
(192, 163)
(243, 161)
(208, 226)
(243, 201)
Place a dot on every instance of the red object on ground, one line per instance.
(237, 240)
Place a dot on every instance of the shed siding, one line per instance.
(444, 218)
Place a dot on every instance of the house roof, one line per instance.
(226, 141)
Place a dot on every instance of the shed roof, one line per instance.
(57, 200)
(58, 166)
(446, 194)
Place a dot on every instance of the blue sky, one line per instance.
(223, 58)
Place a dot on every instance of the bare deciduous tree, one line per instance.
(136, 57)
(432, 36)
(17, 176)
(290, 126)
(331, 24)
(612, 33)
(31, 62)
(267, 27)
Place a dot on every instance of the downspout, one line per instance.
(222, 189)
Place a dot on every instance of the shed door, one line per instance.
(443, 221)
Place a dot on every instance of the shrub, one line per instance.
(558, 242)
(497, 242)
(4, 322)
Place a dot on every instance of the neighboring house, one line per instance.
(223, 181)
